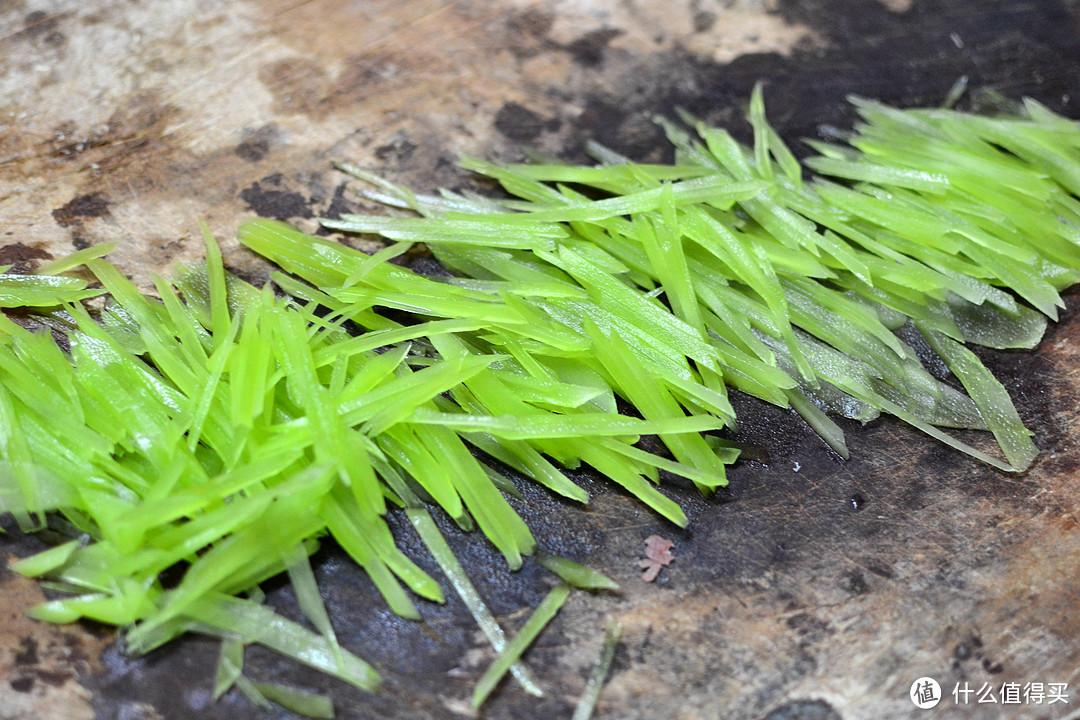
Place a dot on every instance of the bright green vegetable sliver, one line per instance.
(401, 444)
(329, 433)
(259, 624)
(300, 702)
(230, 666)
(436, 544)
(183, 321)
(703, 477)
(932, 431)
(657, 405)
(626, 474)
(284, 524)
(206, 395)
(307, 595)
(881, 174)
(991, 398)
(413, 391)
(75, 259)
(354, 542)
(45, 561)
(714, 189)
(249, 691)
(41, 291)
(382, 542)
(564, 426)
(504, 527)
(543, 614)
(577, 575)
(747, 261)
(587, 703)
(761, 134)
(16, 451)
(526, 460)
(215, 274)
(623, 302)
(826, 429)
(603, 177)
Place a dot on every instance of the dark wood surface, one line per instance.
(810, 588)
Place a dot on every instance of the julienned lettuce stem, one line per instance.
(728, 269)
(231, 430)
(226, 429)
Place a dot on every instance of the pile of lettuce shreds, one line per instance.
(226, 429)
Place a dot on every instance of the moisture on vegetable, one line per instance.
(228, 430)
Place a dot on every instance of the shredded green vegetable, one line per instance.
(576, 575)
(793, 291)
(587, 703)
(543, 614)
(299, 701)
(227, 430)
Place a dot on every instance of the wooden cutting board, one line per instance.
(810, 588)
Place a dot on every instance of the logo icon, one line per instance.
(925, 693)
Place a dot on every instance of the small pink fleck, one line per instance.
(657, 555)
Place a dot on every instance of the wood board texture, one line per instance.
(811, 588)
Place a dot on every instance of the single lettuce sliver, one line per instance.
(301, 702)
(45, 561)
(436, 544)
(991, 398)
(564, 426)
(595, 683)
(577, 575)
(258, 624)
(230, 666)
(545, 611)
(42, 290)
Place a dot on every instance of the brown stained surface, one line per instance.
(40, 664)
(810, 588)
(128, 123)
(970, 580)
